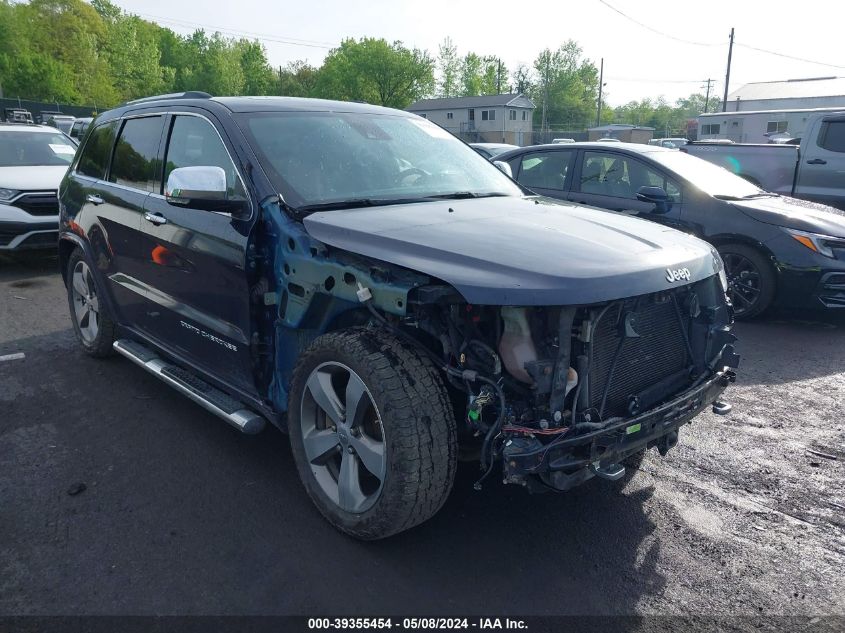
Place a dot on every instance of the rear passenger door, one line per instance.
(547, 172)
(194, 267)
(113, 180)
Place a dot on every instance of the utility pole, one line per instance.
(728, 73)
(707, 98)
(544, 122)
(280, 80)
(601, 83)
(498, 76)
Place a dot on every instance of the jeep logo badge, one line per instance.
(677, 274)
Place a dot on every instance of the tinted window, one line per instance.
(21, 148)
(832, 136)
(321, 157)
(618, 176)
(96, 152)
(135, 163)
(194, 142)
(546, 170)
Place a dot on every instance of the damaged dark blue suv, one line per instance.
(369, 284)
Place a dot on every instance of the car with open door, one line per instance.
(369, 284)
(777, 250)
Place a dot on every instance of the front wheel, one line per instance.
(372, 433)
(751, 280)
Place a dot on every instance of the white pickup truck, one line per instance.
(813, 170)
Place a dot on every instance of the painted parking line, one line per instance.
(17, 356)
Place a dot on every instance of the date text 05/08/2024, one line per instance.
(415, 624)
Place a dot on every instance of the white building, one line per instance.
(792, 94)
(756, 126)
(489, 118)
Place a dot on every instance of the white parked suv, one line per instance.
(33, 160)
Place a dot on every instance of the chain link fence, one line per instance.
(36, 108)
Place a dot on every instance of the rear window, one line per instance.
(95, 154)
(832, 136)
(135, 163)
(31, 148)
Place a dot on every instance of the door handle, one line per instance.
(94, 199)
(155, 218)
(817, 161)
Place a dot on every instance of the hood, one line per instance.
(40, 178)
(520, 251)
(793, 213)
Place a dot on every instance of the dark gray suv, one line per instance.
(370, 285)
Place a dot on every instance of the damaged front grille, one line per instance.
(652, 362)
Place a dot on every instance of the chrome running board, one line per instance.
(211, 399)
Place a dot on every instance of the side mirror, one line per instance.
(657, 196)
(504, 168)
(201, 187)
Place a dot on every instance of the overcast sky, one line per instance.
(639, 62)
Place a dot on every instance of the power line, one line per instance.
(680, 39)
(651, 80)
(800, 59)
(224, 30)
(654, 30)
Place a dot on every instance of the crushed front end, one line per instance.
(565, 393)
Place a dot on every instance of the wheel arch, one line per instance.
(733, 238)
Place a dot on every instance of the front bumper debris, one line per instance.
(572, 461)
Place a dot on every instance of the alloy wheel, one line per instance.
(343, 437)
(744, 282)
(86, 305)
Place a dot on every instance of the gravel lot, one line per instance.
(181, 514)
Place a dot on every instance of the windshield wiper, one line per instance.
(751, 196)
(355, 203)
(461, 195)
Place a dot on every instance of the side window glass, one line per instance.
(832, 136)
(135, 163)
(95, 154)
(606, 175)
(194, 142)
(621, 177)
(545, 170)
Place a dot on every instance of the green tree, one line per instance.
(258, 76)
(522, 79)
(471, 82)
(494, 76)
(566, 89)
(374, 71)
(297, 79)
(449, 68)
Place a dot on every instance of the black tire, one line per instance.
(100, 344)
(751, 280)
(418, 430)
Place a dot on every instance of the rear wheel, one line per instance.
(372, 433)
(751, 280)
(91, 319)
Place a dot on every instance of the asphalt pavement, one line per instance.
(119, 496)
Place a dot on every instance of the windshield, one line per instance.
(29, 149)
(710, 178)
(317, 158)
(63, 124)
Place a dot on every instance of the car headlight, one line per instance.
(7, 194)
(821, 244)
(719, 267)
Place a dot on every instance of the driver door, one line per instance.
(194, 266)
(610, 180)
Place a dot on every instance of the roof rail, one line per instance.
(191, 94)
